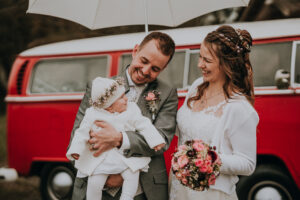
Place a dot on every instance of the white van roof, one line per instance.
(181, 36)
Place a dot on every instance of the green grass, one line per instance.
(3, 160)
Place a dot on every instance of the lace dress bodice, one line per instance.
(194, 125)
(198, 125)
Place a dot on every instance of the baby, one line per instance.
(110, 104)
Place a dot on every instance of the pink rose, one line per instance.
(150, 96)
(203, 168)
(184, 181)
(182, 148)
(208, 157)
(212, 180)
(185, 173)
(182, 161)
(198, 146)
(175, 166)
(218, 160)
(209, 169)
(198, 162)
(207, 162)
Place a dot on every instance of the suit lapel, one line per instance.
(142, 102)
(123, 75)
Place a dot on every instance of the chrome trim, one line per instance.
(270, 92)
(293, 60)
(186, 68)
(43, 98)
(293, 63)
(258, 92)
(181, 93)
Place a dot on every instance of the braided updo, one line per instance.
(232, 47)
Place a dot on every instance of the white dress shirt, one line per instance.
(133, 95)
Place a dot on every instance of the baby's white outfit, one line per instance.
(112, 161)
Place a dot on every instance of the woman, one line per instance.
(219, 110)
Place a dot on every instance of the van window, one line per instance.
(124, 62)
(173, 74)
(67, 75)
(194, 71)
(297, 65)
(266, 59)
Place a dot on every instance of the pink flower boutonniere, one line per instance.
(152, 99)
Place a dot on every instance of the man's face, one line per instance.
(147, 63)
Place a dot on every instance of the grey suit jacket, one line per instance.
(155, 181)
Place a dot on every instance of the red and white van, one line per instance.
(47, 83)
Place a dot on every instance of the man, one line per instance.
(149, 59)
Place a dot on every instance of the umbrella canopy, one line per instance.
(96, 14)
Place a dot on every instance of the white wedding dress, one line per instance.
(197, 125)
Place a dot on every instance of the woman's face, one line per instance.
(209, 64)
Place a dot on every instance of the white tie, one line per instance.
(132, 94)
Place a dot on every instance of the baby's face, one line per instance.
(120, 105)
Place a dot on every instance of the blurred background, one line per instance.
(20, 31)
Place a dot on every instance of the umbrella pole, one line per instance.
(146, 17)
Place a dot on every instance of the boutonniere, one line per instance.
(152, 99)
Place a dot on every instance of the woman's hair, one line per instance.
(232, 47)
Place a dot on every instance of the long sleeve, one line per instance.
(144, 126)
(81, 135)
(81, 111)
(165, 124)
(242, 161)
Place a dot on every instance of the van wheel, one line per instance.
(267, 182)
(57, 181)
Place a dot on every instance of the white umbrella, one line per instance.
(96, 14)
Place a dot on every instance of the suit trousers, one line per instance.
(80, 187)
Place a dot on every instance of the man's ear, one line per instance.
(135, 50)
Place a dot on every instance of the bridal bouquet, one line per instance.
(196, 165)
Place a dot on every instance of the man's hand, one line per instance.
(107, 138)
(75, 156)
(114, 180)
(159, 147)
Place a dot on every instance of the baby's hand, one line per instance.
(75, 156)
(159, 147)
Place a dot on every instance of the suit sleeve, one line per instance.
(81, 111)
(165, 123)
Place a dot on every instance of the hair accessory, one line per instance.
(243, 42)
(238, 32)
(106, 91)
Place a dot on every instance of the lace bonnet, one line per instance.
(106, 91)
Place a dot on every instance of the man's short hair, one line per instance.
(165, 43)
